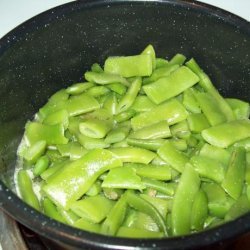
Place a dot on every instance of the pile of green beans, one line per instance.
(145, 148)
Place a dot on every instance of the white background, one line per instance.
(14, 12)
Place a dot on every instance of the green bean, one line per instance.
(226, 134)
(182, 204)
(116, 135)
(208, 168)
(104, 78)
(97, 91)
(32, 154)
(190, 102)
(79, 88)
(142, 103)
(50, 210)
(41, 165)
(234, 178)
(206, 83)
(74, 179)
(171, 86)
(178, 59)
(129, 66)
(89, 208)
(172, 156)
(159, 186)
(117, 88)
(73, 150)
(197, 122)
(95, 128)
(96, 68)
(156, 131)
(150, 144)
(115, 217)
(240, 108)
(180, 130)
(95, 189)
(149, 50)
(157, 172)
(133, 154)
(172, 111)
(25, 189)
(129, 98)
(124, 116)
(86, 225)
(144, 206)
(160, 62)
(123, 178)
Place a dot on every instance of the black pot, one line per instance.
(52, 50)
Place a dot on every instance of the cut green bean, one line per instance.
(226, 134)
(128, 66)
(171, 86)
(25, 189)
(171, 111)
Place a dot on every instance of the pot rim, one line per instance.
(62, 233)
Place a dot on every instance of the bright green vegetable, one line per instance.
(171, 86)
(173, 156)
(155, 131)
(32, 153)
(129, 98)
(76, 178)
(124, 178)
(79, 88)
(128, 66)
(182, 204)
(144, 206)
(226, 134)
(133, 154)
(235, 175)
(25, 189)
(171, 111)
(41, 165)
(89, 208)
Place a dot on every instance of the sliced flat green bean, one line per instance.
(178, 59)
(117, 88)
(208, 168)
(240, 108)
(160, 62)
(156, 131)
(116, 135)
(133, 154)
(149, 50)
(50, 210)
(96, 68)
(190, 102)
(142, 103)
(199, 211)
(60, 116)
(88, 226)
(197, 122)
(123, 178)
(129, 98)
(150, 144)
(210, 108)
(171, 86)
(172, 156)
(172, 111)
(183, 200)
(206, 83)
(95, 128)
(89, 208)
(36, 150)
(74, 179)
(226, 134)
(144, 206)
(79, 88)
(104, 78)
(235, 174)
(115, 217)
(128, 66)
(98, 91)
(124, 116)
(25, 189)
(41, 165)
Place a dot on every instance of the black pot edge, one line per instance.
(64, 234)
